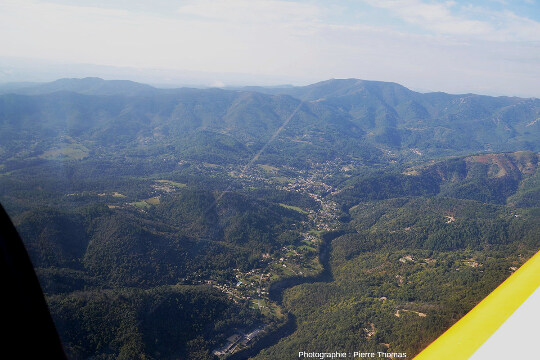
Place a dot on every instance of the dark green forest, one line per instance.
(159, 230)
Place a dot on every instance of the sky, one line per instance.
(488, 46)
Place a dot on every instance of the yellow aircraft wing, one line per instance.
(466, 336)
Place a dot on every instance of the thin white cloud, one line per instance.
(435, 17)
(449, 18)
(507, 25)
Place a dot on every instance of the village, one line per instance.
(300, 259)
(288, 261)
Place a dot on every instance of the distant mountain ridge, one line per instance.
(86, 86)
(335, 118)
(326, 89)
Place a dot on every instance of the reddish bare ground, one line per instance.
(523, 162)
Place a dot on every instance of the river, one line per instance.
(275, 293)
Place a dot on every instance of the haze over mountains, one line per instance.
(349, 117)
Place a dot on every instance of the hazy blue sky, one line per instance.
(489, 46)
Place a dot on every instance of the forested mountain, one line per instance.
(399, 117)
(213, 223)
(88, 86)
(371, 121)
(487, 178)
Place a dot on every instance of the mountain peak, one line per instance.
(90, 86)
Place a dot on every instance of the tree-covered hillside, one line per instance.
(365, 120)
(212, 223)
